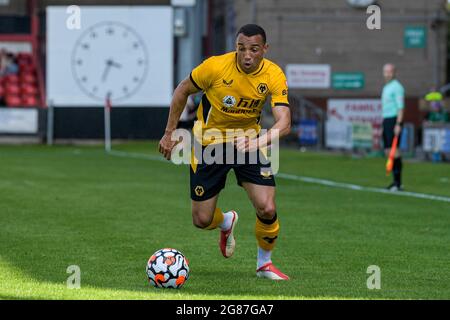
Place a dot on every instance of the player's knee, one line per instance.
(267, 210)
(201, 219)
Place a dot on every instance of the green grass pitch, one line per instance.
(64, 206)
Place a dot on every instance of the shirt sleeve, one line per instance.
(204, 74)
(400, 97)
(279, 90)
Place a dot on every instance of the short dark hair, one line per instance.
(250, 30)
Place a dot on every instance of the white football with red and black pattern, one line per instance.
(167, 268)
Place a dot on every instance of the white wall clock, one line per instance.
(110, 57)
(124, 50)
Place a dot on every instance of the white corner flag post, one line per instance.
(108, 122)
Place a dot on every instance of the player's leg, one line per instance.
(397, 168)
(206, 215)
(398, 165)
(207, 180)
(266, 229)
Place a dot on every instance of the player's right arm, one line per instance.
(200, 79)
(179, 99)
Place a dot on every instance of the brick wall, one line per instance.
(332, 32)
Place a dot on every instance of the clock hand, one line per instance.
(115, 64)
(109, 63)
(106, 71)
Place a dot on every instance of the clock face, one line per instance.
(109, 58)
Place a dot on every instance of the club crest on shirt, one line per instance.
(229, 101)
(262, 88)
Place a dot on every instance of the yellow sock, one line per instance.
(217, 219)
(267, 232)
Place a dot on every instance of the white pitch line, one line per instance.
(293, 177)
(133, 155)
(334, 184)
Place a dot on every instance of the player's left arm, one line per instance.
(280, 109)
(281, 113)
(282, 125)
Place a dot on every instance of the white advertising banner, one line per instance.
(355, 110)
(433, 139)
(125, 52)
(338, 134)
(22, 121)
(308, 76)
(341, 112)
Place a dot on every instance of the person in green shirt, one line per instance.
(437, 113)
(393, 104)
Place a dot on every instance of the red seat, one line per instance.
(13, 100)
(12, 88)
(27, 77)
(29, 89)
(21, 90)
(22, 64)
(30, 101)
(11, 78)
(27, 68)
(2, 91)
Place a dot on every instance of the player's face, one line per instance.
(388, 72)
(250, 52)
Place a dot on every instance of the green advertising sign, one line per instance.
(415, 37)
(362, 135)
(347, 80)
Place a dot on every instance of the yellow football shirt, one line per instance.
(233, 99)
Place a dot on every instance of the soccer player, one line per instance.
(393, 103)
(235, 86)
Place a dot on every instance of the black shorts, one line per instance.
(388, 132)
(207, 180)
